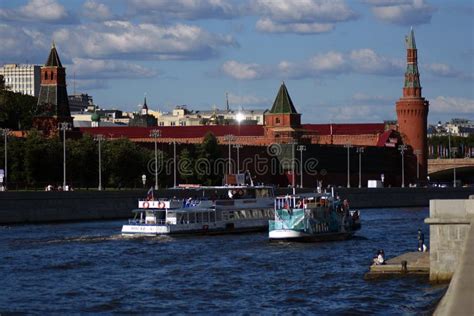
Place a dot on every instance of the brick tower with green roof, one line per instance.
(53, 105)
(412, 108)
(283, 122)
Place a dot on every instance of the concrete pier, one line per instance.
(452, 253)
(407, 263)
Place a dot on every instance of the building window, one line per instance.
(173, 123)
(277, 120)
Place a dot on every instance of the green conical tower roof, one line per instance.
(283, 103)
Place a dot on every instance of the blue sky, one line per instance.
(342, 61)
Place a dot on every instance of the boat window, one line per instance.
(192, 217)
(212, 217)
(199, 217)
(264, 192)
(231, 215)
(182, 218)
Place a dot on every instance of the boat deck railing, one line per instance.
(144, 222)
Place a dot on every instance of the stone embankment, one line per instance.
(452, 253)
(34, 207)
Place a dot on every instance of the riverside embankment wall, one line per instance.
(452, 253)
(34, 207)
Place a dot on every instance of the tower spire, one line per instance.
(412, 86)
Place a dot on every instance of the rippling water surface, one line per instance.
(89, 268)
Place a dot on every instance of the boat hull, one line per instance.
(294, 235)
(197, 229)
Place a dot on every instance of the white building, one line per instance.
(23, 78)
(181, 116)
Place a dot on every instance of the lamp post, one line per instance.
(417, 153)
(301, 148)
(5, 134)
(402, 149)
(454, 151)
(229, 138)
(155, 133)
(238, 146)
(174, 164)
(360, 150)
(64, 126)
(348, 146)
(99, 138)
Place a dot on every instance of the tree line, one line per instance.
(35, 162)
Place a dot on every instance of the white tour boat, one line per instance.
(219, 209)
(312, 217)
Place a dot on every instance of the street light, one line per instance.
(301, 148)
(229, 138)
(155, 133)
(64, 126)
(144, 180)
(417, 153)
(5, 132)
(454, 151)
(99, 138)
(174, 164)
(402, 149)
(238, 146)
(348, 146)
(360, 150)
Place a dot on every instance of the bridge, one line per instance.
(440, 165)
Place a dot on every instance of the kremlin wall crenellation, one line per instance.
(328, 144)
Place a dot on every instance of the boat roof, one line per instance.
(177, 210)
(224, 187)
(305, 195)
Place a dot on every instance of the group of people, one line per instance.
(50, 187)
(379, 258)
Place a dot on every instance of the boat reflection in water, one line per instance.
(312, 217)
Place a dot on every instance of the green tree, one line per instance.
(186, 168)
(16, 110)
(208, 152)
(82, 161)
(124, 162)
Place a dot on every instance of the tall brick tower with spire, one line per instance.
(412, 108)
(53, 105)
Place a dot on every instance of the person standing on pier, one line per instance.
(421, 240)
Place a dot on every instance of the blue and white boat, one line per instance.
(212, 210)
(312, 217)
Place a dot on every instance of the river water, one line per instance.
(89, 268)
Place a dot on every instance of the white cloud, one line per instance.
(412, 12)
(242, 71)
(92, 68)
(46, 11)
(331, 62)
(454, 105)
(22, 44)
(185, 9)
(120, 39)
(269, 26)
(363, 61)
(367, 61)
(303, 16)
(96, 11)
